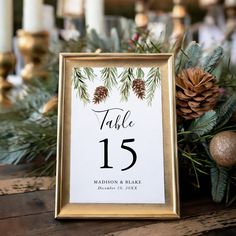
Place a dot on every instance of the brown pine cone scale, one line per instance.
(100, 94)
(196, 93)
(139, 89)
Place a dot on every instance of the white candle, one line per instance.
(33, 16)
(206, 3)
(94, 15)
(6, 26)
(73, 8)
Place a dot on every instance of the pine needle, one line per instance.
(80, 86)
(126, 81)
(152, 82)
(109, 77)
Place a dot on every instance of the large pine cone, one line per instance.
(196, 94)
(100, 94)
(138, 87)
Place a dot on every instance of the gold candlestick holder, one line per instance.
(33, 47)
(7, 64)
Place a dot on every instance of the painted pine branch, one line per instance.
(126, 81)
(152, 82)
(89, 73)
(79, 84)
(109, 77)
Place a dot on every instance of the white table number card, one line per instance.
(117, 153)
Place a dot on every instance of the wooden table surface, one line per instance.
(25, 210)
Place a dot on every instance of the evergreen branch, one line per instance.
(80, 86)
(126, 82)
(196, 175)
(89, 73)
(139, 48)
(24, 141)
(156, 47)
(204, 124)
(228, 81)
(152, 82)
(225, 111)
(231, 201)
(139, 73)
(212, 60)
(109, 77)
(219, 180)
(217, 71)
(194, 52)
(188, 57)
(116, 44)
(94, 41)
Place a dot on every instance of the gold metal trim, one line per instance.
(65, 209)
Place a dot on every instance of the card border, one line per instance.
(169, 210)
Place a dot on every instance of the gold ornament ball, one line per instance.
(223, 148)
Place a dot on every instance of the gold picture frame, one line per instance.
(76, 198)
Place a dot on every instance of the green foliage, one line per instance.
(212, 60)
(26, 135)
(197, 164)
(144, 47)
(94, 42)
(225, 111)
(228, 81)
(152, 82)
(109, 77)
(105, 44)
(219, 180)
(188, 57)
(204, 124)
(89, 73)
(116, 44)
(78, 79)
(139, 73)
(27, 139)
(217, 71)
(126, 82)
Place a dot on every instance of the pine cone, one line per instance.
(138, 87)
(100, 94)
(196, 94)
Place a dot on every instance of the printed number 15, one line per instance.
(134, 155)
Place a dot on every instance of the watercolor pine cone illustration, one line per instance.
(100, 94)
(129, 79)
(139, 88)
